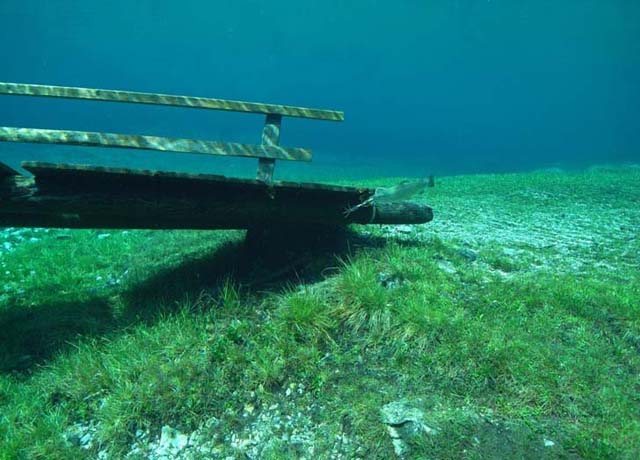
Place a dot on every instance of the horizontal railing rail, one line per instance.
(267, 152)
(22, 89)
(95, 139)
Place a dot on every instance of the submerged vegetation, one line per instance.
(511, 324)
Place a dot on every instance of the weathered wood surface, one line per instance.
(21, 89)
(270, 137)
(165, 144)
(95, 197)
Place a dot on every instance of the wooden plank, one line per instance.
(270, 137)
(95, 139)
(88, 176)
(92, 198)
(21, 89)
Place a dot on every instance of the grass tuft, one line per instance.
(306, 314)
(364, 304)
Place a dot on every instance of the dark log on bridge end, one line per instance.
(71, 196)
(403, 212)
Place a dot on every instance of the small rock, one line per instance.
(549, 443)
(447, 267)
(403, 229)
(400, 412)
(81, 435)
(404, 421)
(73, 439)
(468, 254)
(171, 442)
(86, 440)
(102, 236)
(400, 447)
(112, 281)
(388, 280)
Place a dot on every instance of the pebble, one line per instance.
(447, 267)
(403, 229)
(388, 280)
(468, 254)
(171, 441)
(405, 422)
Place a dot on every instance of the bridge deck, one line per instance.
(76, 196)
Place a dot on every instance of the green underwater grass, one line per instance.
(503, 343)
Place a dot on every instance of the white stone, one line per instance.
(400, 447)
(403, 228)
(172, 441)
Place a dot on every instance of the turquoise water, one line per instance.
(456, 86)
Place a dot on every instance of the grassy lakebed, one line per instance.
(509, 327)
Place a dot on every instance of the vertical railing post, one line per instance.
(270, 136)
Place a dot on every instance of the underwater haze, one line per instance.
(456, 275)
(442, 86)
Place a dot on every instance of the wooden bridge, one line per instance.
(82, 196)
